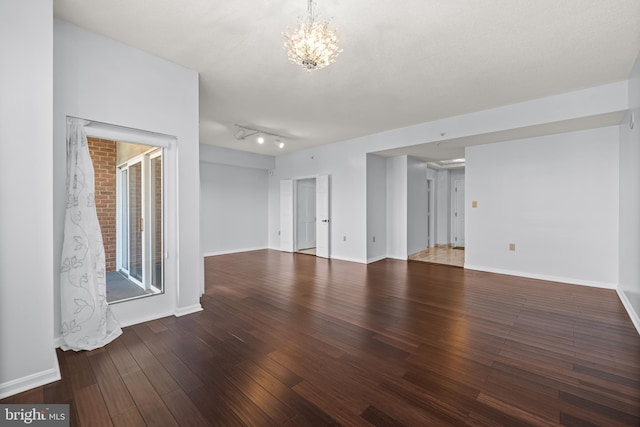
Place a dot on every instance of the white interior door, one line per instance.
(306, 214)
(458, 215)
(286, 215)
(323, 219)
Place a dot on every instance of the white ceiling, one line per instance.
(404, 61)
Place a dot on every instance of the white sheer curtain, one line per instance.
(87, 321)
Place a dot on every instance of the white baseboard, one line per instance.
(630, 310)
(233, 251)
(38, 379)
(549, 278)
(183, 311)
(400, 257)
(145, 318)
(376, 259)
(340, 258)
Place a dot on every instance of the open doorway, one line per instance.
(305, 213)
(129, 204)
(444, 212)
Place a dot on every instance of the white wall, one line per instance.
(100, 79)
(27, 351)
(555, 197)
(629, 236)
(233, 200)
(346, 165)
(346, 160)
(417, 204)
(233, 208)
(376, 207)
(397, 207)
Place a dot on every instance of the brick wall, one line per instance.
(103, 155)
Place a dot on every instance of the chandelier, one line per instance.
(312, 44)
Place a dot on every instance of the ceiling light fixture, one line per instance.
(244, 132)
(240, 134)
(312, 44)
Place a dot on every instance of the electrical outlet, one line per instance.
(278, 232)
(344, 238)
(374, 239)
(512, 247)
(474, 204)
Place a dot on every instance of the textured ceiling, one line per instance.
(404, 62)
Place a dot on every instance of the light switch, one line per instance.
(512, 246)
(474, 204)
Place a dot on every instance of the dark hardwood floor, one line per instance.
(293, 340)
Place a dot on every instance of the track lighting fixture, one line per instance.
(240, 134)
(243, 132)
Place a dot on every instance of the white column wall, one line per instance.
(27, 350)
(417, 218)
(397, 207)
(376, 207)
(629, 244)
(99, 79)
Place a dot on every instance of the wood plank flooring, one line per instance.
(293, 340)
(440, 255)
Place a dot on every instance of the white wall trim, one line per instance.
(348, 259)
(400, 257)
(183, 311)
(235, 251)
(635, 318)
(549, 278)
(376, 259)
(31, 381)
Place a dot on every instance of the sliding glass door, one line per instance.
(139, 220)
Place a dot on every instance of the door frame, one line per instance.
(431, 219)
(144, 159)
(296, 213)
(291, 225)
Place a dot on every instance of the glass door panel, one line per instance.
(155, 221)
(136, 224)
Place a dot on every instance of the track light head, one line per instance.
(240, 134)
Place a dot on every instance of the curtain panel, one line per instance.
(87, 320)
